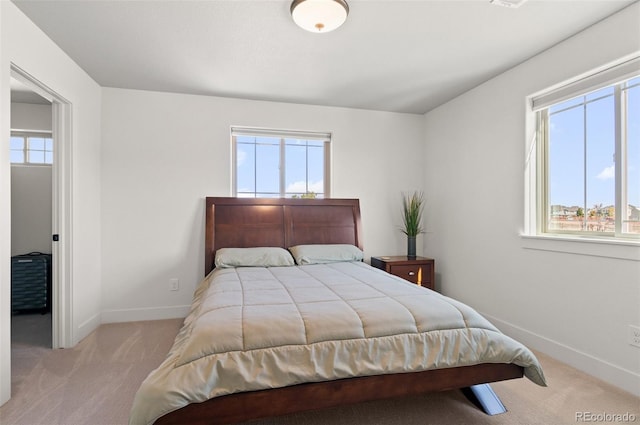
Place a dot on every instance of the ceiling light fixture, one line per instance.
(319, 15)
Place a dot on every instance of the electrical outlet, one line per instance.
(174, 284)
(634, 336)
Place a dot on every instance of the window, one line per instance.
(589, 156)
(273, 164)
(31, 148)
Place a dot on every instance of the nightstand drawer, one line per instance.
(413, 273)
(420, 270)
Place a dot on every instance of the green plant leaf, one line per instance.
(412, 208)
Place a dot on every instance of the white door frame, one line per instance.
(62, 276)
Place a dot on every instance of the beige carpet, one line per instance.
(94, 383)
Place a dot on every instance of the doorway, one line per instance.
(31, 153)
(60, 235)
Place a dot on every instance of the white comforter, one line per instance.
(256, 328)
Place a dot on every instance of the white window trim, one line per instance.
(534, 174)
(293, 134)
(582, 245)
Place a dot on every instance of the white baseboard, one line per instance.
(85, 328)
(141, 314)
(610, 373)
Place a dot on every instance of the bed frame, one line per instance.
(244, 222)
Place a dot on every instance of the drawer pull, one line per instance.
(412, 273)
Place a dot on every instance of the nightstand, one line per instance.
(419, 270)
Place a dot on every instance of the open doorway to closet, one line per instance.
(60, 235)
(61, 208)
(31, 153)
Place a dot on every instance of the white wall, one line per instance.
(162, 154)
(5, 225)
(575, 307)
(30, 117)
(26, 46)
(30, 209)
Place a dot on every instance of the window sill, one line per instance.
(623, 249)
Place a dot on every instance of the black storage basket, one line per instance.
(31, 283)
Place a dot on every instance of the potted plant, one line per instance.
(412, 207)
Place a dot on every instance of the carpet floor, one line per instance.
(94, 383)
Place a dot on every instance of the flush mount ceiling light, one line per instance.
(319, 15)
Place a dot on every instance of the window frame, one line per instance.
(283, 136)
(537, 160)
(26, 135)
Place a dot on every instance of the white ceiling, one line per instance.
(403, 56)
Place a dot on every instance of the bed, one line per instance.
(277, 338)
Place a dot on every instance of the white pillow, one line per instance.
(325, 253)
(253, 257)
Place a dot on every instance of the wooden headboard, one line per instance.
(282, 222)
